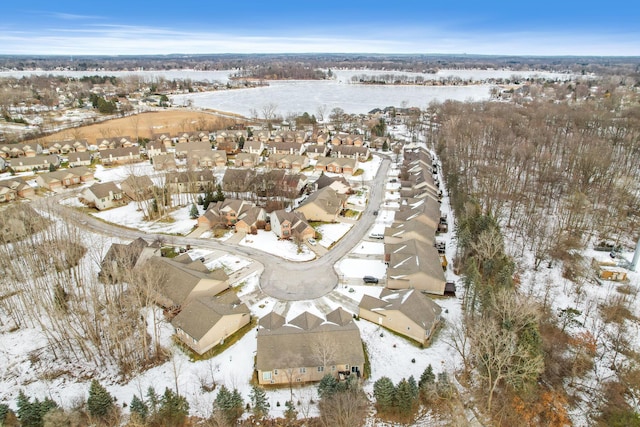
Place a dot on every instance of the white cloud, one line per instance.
(138, 40)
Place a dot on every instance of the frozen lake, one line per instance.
(309, 96)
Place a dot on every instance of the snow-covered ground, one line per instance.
(267, 241)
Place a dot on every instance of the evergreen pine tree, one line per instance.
(427, 378)
(384, 391)
(327, 386)
(31, 413)
(173, 409)
(443, 386)
(259, 401)
(219, 194)
(4, 410)
(208, 199)
(100, 402)
(237, 406)
(241, 143)
(404, 397)
(200, 200)
(414, 386)
(193, 213)
(153, 401)
(139, 408)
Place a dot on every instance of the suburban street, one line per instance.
(281, 279)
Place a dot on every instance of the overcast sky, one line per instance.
(543, 27)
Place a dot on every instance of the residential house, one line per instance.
(183, 150)
(31, 149)
(314, 151)
(3, 164)
(323, 205)
(120, 156)
(181, 280)
(406, 312)
(229, 212)
(291, 352)
(236, 182)
(190, 181)
(79, 159)
(293, 162)
(11, 189)
(25, 164)
(286, 148)
(205, 322)
(155, 148)
(343, 165)
(355, 140)
(113, 143)
(162, 138)
(246, 160)
(103, 196)
(414, 264)
(64, 178)
(426, 211)
(137, 187)
(337, 183)
(291, 225)
(121, 258)
(400, 231)
(164, 162)
(262, 135)
(359, 153)
(254, 147)
(229, 146)
(206, 158)
(294, 183)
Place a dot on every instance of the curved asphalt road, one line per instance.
(281, 279)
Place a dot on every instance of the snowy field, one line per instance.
(331, 233)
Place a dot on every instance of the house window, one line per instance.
(320, 368)
(298, 380)
(266, 376)
(333, 367)
(275, 372)
(303, 370)
(408, 328)
(346, 367)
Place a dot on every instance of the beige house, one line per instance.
(25, 164)
(206, 158)
(121, 258)
(137, 187)
(314, 151)
(113, 143)
(246, 160)
(120, 156)
(183, 149)
(228, 212)
(323, 205)
(190, 181)
(293, 162)
(351, 152)
(344, 166)
(401, 231)
(407, 312)
(11, 189)
(79, 159)
(64, 178)
(291, 225)
(205, 322)
(254, 147)
(413, 264)
(308, 347)
(164, 162)
(181, 280)
(103, 196)
(337, 183)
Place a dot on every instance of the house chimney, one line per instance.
(636, 256)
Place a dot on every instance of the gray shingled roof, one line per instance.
(198, 316)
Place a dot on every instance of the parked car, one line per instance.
(370, 279)
(312, 241)
(376, 235)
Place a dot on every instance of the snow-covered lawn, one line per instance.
(267, 241)
(369, 248)
(132, 217)
(331, 233)
(352, 268)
